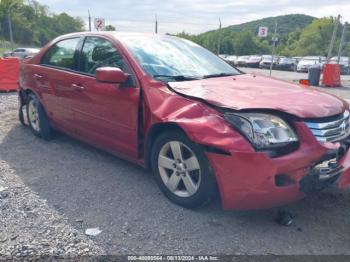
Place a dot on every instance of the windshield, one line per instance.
(163, 57)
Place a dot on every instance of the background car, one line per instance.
(286, 63)
(242, 60)
(6, 54)
(223, 56)
(297, 58)
(344, 63)
(231, 59)
(22, 53)
(266, 61)
(254, 61)
(306, 62)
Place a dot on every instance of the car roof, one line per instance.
(313, 57)
(115, 34)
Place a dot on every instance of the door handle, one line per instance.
(38, 77)
(78, 87)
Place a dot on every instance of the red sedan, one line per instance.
(199, 124)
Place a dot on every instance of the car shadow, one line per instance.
(95, 189)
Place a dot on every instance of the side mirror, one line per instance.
(112, 75)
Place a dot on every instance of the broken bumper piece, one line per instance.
(322, 175)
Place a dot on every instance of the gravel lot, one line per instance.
(28, 226)
(68, 186)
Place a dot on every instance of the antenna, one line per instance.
(89, 21)
(219, 37)
(156, 25)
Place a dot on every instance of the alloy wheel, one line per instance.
(33, 115)
(179, 169)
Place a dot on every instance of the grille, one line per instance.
(332, 129)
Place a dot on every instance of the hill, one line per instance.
(286, 24)
(299, 35)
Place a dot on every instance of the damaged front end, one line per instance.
(322, 175)
(255, 180)
(328, 170)
(249, 174)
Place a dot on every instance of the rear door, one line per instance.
(55, 75)
(106, 114)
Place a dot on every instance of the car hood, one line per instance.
(258, 92)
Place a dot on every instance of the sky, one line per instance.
(192, 16)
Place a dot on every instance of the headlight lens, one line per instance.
(264, 131)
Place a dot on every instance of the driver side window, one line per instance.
(98, 52)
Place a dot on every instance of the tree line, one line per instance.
(313, 39)
(33, 24)
(299, 35)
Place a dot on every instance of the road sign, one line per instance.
(263, 30)
(99, 24)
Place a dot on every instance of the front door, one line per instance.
(106, 114)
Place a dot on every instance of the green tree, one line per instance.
(245, 44)
(110, 28)
(313, 39)
(33, 24)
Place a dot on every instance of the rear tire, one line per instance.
(37, 119)
(182, 170)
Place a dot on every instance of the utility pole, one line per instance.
(156, 25)
(342, 41)
(219, 37)
(89, 21)
(331, 45)
(274, 41)
(10, 22)
(10, 28)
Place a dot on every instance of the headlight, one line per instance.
(264, 131)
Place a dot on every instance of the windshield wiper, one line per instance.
(219, 75)
(178, 77)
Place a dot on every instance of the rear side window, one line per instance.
(63, 54)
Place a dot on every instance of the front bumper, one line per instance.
(253, 180)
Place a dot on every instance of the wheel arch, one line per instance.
(159, 128)
(24, 93)
(153, 133)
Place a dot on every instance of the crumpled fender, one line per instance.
(202, 123)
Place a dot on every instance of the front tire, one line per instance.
(37, 119)
(182, 170)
